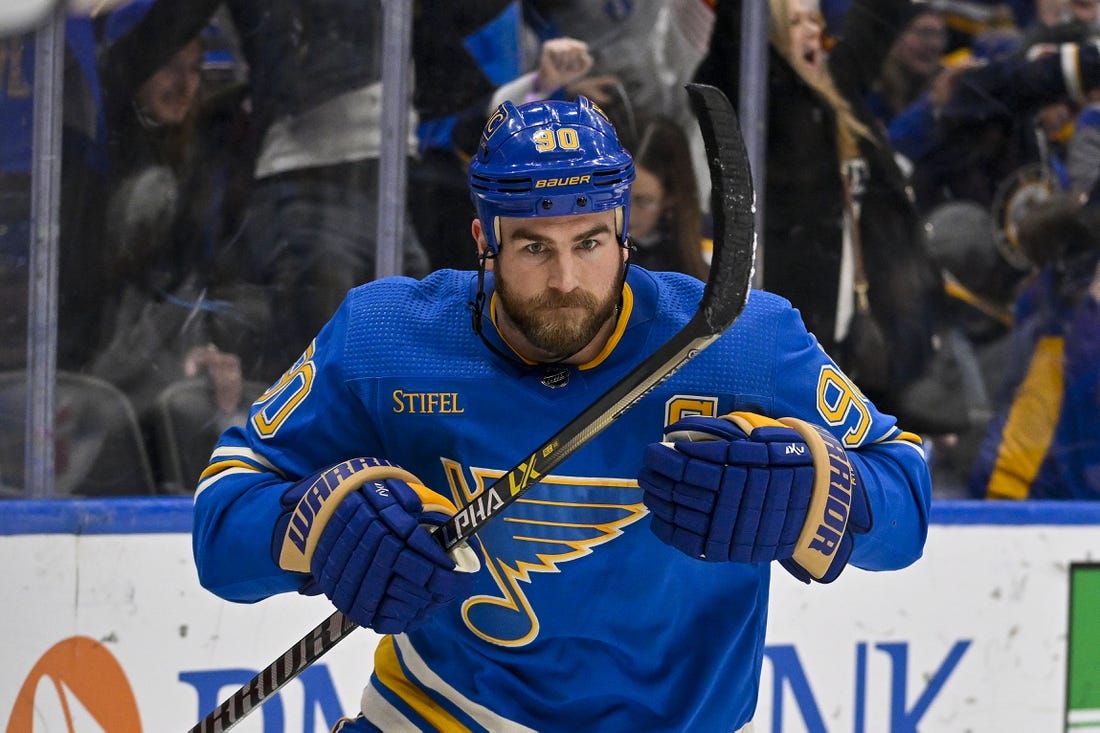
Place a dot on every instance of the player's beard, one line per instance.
(546, 324)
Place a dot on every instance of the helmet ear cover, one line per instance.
(549, 158)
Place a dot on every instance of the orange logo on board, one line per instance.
(76, 681)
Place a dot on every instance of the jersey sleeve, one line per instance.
(237, 502)
(890, 461)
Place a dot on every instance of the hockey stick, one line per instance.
(724, 297)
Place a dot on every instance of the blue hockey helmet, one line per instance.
(549, 158)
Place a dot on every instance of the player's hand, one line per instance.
(747, 488)
(356, 528)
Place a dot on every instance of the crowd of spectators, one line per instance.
(929, 185)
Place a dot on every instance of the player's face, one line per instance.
(558, 281)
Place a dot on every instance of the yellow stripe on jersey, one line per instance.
(907, 437)
(1029, 430)
(617, 334)
(215, 468)
(228, 456)
(390, 674)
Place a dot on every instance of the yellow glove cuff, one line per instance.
(831, 497)
(830, 502)
(326, 492)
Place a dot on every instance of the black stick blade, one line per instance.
(732, 207)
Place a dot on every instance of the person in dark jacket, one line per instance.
(821, 142)
(307, 229)
(309, 235)
(176, 181)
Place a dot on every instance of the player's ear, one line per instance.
(482, 244)
(477, 232)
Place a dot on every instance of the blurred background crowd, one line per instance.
(928, 192)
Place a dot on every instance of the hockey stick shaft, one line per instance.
(308, 650)
(724, 297)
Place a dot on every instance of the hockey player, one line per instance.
(628, 589)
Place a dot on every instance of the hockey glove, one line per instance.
(747, 488)
(356, 528)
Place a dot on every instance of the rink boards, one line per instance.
(996, 628)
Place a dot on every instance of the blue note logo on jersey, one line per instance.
(541, 533)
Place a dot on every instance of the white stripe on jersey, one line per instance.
(383, 715)
(233, 451)
(238, 452)
(430, 680)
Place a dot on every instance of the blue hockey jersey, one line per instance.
(580, 619)
(1044, 439)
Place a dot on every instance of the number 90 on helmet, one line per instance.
(549, 158)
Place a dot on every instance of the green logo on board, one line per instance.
(1083, 643)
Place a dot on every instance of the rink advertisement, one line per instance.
(994, 629)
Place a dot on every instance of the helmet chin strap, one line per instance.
(477, 307)
(631, 248)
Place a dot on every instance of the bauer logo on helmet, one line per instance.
(571, 181)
